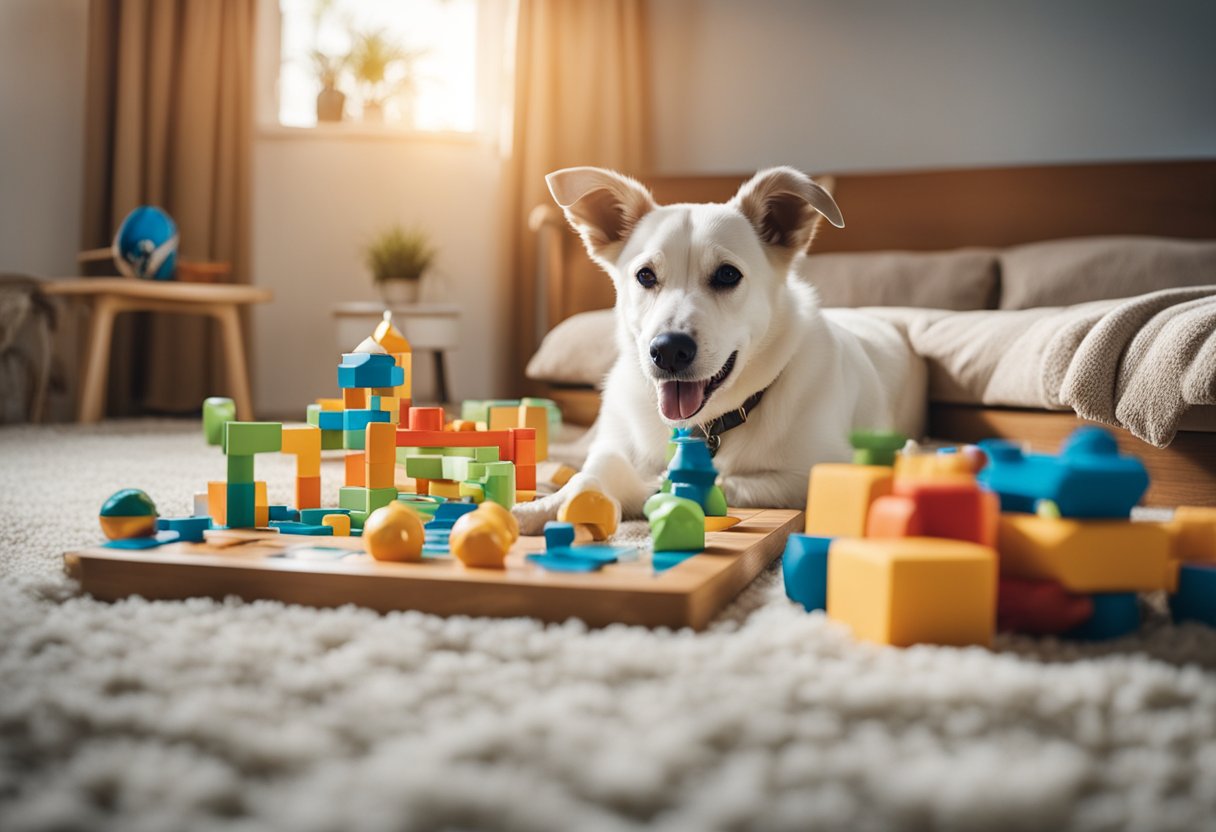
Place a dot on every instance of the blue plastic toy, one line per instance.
(1195, 599)
(369, 369)
(146, 244)
(190, 528)
(804, 566)
(1115, 614)
(691, 471)
(1090, 478)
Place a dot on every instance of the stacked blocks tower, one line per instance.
(304, 442)
(242, 441)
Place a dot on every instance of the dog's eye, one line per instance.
(726, 276)
(646, 277)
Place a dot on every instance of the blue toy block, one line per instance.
(1195, 599)
(446, 514)
(331, 419)
(662, 561)
(560, 563)
(189, 528)
(359, 419)
(691, 471)
(288, 527)
(1089, 479)
(314, 516)
(359, 369)
(558, 535)
(1115, 614)
(804, 566)
(282, 513)
(240, 506)
(158, 539)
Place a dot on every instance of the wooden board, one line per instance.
(687, 595)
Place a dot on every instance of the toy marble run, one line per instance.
(948, 547)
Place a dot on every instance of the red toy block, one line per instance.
(1039, 607)
(422, 487)
(308, 492)
(380, 443)
(895, 516)
(525, 477)
(355, 475)
(354, 398)
(954, 510)
(426, 418)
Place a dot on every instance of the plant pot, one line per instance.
(398, 291)
(330, 104)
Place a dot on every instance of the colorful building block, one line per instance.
(365, 369)
(314, 516)
(1089, 479)
(804, 569)
(957, 510)
(283, 513)
(290, 527)
(365, 500)
(249, 438)
(308, 492)
(340, 523)
(356, 469)
(331, 440)
(240, 468)
(380, 443)
(240, 506)
(354, 398)
(1086, 555)
(1194, 531)
(677, 524)
(1115, 614)
(839, 497)
(426, 418)
(1195, 599)
(217, 412)
(217, 502)
(558, 535)
(189, 529)
(304, 443)
(1039, 607)
(875, 447)
(913, 590)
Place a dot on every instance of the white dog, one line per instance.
(716, 331)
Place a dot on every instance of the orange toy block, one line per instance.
(380, 443)
(936, 508)
(1086, 555)
(331, 404)
(380, 475)
(308, 492)
(894, 516)
(422, 487)
(426, 419)
(941, 468)
(217, 503)
(523, 416)
(525, 477)
(355, 473)
(404, 360)
(523, 446)
(304, 443)
(354, 398)
(340, 523)
(1194, 531)
(526, 496)
(599, 512)
(463, 425)
(839, 497)
(913, 590)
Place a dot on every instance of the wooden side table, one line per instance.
(433, 327)
(111, 296)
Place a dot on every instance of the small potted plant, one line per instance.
(331, 101)
(398, 259)
(373, 61)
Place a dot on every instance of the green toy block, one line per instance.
(331, 440)
(876, 447)
(240, 505)
(499, 483)
(461, 468)
(354, 440)
(715, 503)
(676, 524)
(367, 500)
(424, 505)
(424, 467)
(358, 518)
(248, 438)
(217, 411)
(499, 469)
(478, 410)
(240, 468)
(474, 491)
(314, 415)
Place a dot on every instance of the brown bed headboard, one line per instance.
(929, 211)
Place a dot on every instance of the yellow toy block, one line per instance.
(380, 474)
(523, 416)
(340, 523)
(1086, 555)
(380, 443)
(934, 467)
(502, 417)
(839, 496)
(389, 337)
(599, 512)
(331, 404)
(404, 360)
(448, 489)
(525, 496)
(476, 492)
(913, 590)
(1194, 532)
(304, 443)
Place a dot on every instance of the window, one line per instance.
(383, 64)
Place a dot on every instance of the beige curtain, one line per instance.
(169, 123)
(580, 99)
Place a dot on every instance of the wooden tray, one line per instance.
(249, 565)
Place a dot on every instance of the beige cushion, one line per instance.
(580, 350)
(1064, 272)
(963, 279)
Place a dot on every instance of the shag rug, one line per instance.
(145, 715)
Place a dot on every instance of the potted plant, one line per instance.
(398, 258)
(331, 101)
(372, 61)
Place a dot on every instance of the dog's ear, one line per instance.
(784, 206)
(603, 206)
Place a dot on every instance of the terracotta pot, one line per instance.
(398, 291)
(330, 104)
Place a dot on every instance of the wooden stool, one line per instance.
(110, 296)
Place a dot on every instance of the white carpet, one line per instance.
(201, 715)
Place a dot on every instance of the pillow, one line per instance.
(1064, 272)
(579, 350)
(962, 279)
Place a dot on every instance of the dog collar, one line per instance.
(727, 421)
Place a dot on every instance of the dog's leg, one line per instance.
(606, 471)
(767, 489)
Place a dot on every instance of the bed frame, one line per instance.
(944, 209)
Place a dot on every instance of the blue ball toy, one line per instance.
(146, 244)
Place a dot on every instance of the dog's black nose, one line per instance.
(673, 351)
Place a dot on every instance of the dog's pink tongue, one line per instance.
(680, 399)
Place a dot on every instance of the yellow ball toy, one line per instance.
(394, 533)
(480, 539)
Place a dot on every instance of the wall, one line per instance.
(316, 200)
(42, 93)
(869, 84)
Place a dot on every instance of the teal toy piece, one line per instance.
(189, 528)
(129, 502)
(1115, 614)
(217, 411)
(676, 523)
(804, 568)
(369, 369)
(1089, 479)
(1195, 599)
(691, 470)
(158, 539)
